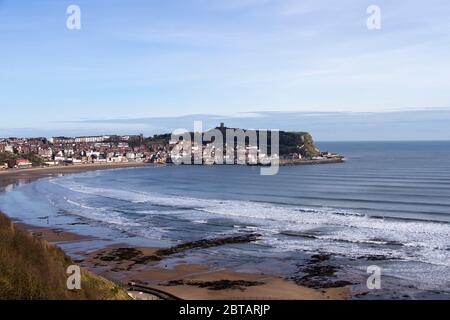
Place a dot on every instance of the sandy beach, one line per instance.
(145, 266)
(13, 175)
(198, 282)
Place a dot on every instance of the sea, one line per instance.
(387, 205)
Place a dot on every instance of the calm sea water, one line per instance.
(389, 199)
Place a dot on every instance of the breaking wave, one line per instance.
(284, 227)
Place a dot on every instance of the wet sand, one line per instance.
(143, 266)
(14, 175)
(53, 235)
(194, 281)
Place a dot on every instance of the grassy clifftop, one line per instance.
(34, 269)
(298, 142)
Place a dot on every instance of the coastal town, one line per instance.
(24, 153)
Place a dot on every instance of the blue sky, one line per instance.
(170, 58)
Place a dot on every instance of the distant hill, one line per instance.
(290, 142)
(298, 142)
(35, 269)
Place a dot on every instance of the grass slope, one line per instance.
(35, 269)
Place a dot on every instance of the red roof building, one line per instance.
(23, 164)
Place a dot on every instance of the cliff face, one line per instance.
(298, 142)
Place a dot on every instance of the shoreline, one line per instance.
(300, 162)
(80, 168)
(135, 267)
(73, 168)
(184, 280)
(12, 176)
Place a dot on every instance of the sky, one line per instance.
(164, 60)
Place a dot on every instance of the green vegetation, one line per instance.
(33, 158)
(290, 142)
(6, 156)
(298, 142)
(161, 139)
(34, 269)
